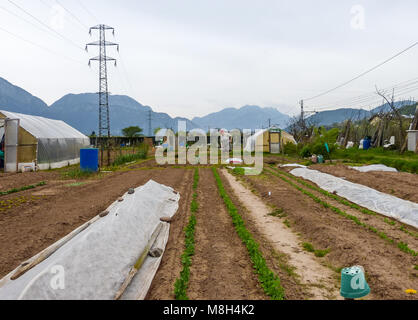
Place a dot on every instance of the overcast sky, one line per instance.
(194, 57)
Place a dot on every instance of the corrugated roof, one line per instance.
(43, 128)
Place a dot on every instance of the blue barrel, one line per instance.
(320, 159)
(367, 144)
(89, 160)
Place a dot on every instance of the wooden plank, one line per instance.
(28, 265)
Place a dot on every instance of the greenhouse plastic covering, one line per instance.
(388, 205)
(96, 262)
(57, 141)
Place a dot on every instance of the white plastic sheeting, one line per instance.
(375, 167)
(293, 165)
(388, 205)
(43, 128)
(96, 262)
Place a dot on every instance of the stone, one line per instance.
(156, 252)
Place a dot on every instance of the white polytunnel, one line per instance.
(32, 142)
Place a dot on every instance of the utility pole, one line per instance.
(150, 123)
(302, 115)
(104, 116)
(269, 123)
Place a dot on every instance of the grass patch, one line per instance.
(287, 223)
(269, 281)
(76, 184)
(407, 162)
(402, 246)
(308, 247)
(318, 253)
(141, 154)
(181, 285)
(77, 173)
(282, 260)
(390, 222)
(16, 190)
(238, 171)
(278, 213)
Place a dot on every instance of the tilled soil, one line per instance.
(318, 281)
(400, 184)
(29, 227)
(388, 226)
(389, 271)
(221, 268)
(17, 180)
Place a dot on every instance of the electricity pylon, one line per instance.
(104, 116)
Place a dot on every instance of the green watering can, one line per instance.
(353, 283)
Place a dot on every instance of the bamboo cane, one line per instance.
(134, 270)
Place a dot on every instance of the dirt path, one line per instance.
(319, 281)
(399, 184)
(389, 271)
(221, 268)
(33, 224)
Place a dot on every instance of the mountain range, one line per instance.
(328, 118)
(81, 112)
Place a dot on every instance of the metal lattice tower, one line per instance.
(104, 115)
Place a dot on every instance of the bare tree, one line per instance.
(397, 114)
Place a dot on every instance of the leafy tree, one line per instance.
(132, 132)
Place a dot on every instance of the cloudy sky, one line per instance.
(194, 57)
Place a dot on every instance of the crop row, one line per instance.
(269, 281)
(401, 245)
(181, 285)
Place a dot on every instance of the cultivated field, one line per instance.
(271, 236)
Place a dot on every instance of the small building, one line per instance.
(37, 143)
(273, 140)
(413, 140)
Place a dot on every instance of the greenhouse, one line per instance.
(33, 143)
(271, 140)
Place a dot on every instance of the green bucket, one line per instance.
(320, 159)
(353, 283)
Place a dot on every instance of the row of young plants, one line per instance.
(343, 201)
(401, 245)
(16, 190)
(269, 281)
(182, 283)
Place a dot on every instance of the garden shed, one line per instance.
(37, 143)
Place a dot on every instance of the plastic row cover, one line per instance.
(388, 205)
(94, 264)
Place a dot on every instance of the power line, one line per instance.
(45, 25)
(25, 20)
(72, 15)
(88, 11)
(400, 87)
(40, 46)
(362, 74)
